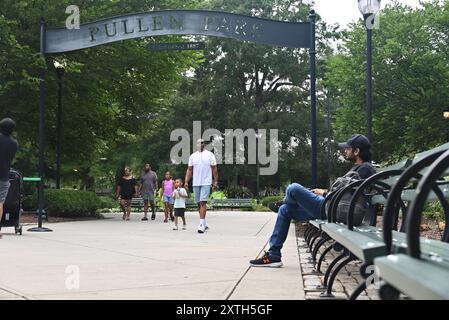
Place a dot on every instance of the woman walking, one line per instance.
(126, 190)
(168, 186)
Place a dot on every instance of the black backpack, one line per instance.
(361, 208)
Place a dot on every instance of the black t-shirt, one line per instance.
(127, 187)
(8, 149)
(365, 170)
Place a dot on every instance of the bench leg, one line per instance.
(358, 291)
(307, 231)
(328, 293)
(320, 243)
(332, 264)
(310, 234)
(361, 286)
(388, 292)
(312, 241)
(320, 261)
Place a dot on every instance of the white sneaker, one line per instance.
(206, 226)
(201, 228)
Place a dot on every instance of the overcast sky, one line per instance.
(346, 11)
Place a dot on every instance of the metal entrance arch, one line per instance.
(177, 22)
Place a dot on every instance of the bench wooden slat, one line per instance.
(418, 279)
(363, 247)
(430, 249)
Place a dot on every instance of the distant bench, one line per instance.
(231, 203)
(138, 204)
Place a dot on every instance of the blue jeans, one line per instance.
(299, 204)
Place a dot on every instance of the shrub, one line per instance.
(217, 195)
(68, 203)
(108, 203)
(238, 192)
(267, 200)
(434, 210)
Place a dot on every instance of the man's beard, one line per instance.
(351, 158)
(147, 170)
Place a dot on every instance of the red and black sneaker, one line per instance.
(267, 261)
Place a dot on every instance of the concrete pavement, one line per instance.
(116, 259)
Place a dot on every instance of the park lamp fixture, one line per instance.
(60, 68)
(369, 7)
(446, 115)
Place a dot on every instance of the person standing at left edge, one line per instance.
(8, 149)
(148, 185)
(202, 166)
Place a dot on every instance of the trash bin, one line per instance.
(12, 208)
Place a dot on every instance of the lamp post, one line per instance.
(60, 73)
(369, 8)
(446, 117)
(258, 136)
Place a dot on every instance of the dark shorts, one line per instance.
(180, 212)
(126, 197)
(4, 187)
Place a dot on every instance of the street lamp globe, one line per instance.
(60, 68)
(369, 7)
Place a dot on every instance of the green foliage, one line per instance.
(434, 210)
(68, 203)
(258, 208)
(108, 203)
(114, 96)
(217, 195)
(238, 192)
(265, 201)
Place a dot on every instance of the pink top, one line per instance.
(168, 187)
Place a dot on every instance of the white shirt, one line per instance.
(179, 201)
(202, 171)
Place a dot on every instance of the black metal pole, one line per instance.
(59, 128)
(329, 144)
(41, 134)
(258, 170)
(312, 53)
(369, 77)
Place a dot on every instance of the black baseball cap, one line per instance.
(356, 141)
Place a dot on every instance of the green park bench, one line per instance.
(394, 185)
(231, 203)
(137, 204)
(421, 269)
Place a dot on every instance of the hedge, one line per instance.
(267, 200)
(68, 203)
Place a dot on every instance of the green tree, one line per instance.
(411, 77)
(110, 92)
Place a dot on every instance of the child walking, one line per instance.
(180, 196)
(168, 186)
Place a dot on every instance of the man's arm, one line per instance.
(189, 174)
(155, 187)
(117, 193)
(319, 192)
(215, 176)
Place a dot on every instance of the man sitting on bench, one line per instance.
(303, 204)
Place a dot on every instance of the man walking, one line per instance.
(148, 185)
(303, 204)
(203, 168)
(8, 149)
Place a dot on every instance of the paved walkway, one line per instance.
(148, 260)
